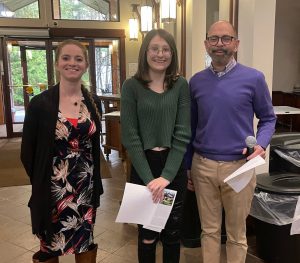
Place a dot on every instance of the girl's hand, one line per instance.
(157, 187)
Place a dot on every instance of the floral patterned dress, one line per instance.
(73, 215)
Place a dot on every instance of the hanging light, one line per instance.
(163, 11)
(146, 17)
(133, 23)
(168, 11)
(133, 29)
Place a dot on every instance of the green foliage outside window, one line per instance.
(36, 70)
(80, 11)
(29, 11)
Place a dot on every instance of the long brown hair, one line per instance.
(143, 66)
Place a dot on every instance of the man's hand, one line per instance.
(157, 187)
(258, 150)
(190, 184)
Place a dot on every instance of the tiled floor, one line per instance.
(117, 242)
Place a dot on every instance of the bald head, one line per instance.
(222, 25)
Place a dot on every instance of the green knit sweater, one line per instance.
(150, 119)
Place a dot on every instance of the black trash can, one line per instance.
(285, 138)
(273, 208)
(285, 153)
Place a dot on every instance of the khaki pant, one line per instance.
(213, 194)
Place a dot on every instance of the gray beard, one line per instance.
(222, 60)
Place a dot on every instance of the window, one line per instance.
(100, 10)
(19, 9)
(107, 66)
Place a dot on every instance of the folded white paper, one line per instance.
(242, 176)
(137, 207)
(295, 228)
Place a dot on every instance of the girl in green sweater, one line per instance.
(155, 125)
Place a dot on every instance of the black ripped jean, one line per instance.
(170, 235)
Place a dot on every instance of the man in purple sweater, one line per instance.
(225, 98)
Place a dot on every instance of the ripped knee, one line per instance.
(146, 241)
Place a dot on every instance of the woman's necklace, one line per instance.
(77, 101)
(73, 99)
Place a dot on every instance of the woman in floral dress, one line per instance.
(61, 154)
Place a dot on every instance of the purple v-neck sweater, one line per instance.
(222, 113)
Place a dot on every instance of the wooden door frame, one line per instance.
(233, 15)
(2, 106)
(183, 39)
(6, 90)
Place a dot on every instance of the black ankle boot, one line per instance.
(43, 257)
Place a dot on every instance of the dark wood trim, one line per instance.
(233, 17)
(183, 39)
(6, 91)
(50, 63)
(2, 112)
(2, 106)
(234, 13)
(92, 65)
(156, 9)
(89, 33)
(24, 76)
(122, 56)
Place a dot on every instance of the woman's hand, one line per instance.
(157, 187)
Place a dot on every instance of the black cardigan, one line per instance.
(37, 154)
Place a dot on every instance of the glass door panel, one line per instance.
(27, 76)
(15, 82)
(36, 69)
(107, 66)
(29, 67)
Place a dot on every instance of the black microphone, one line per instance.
(250, 142)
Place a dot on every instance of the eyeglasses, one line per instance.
(214, 40)
(155, 51)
